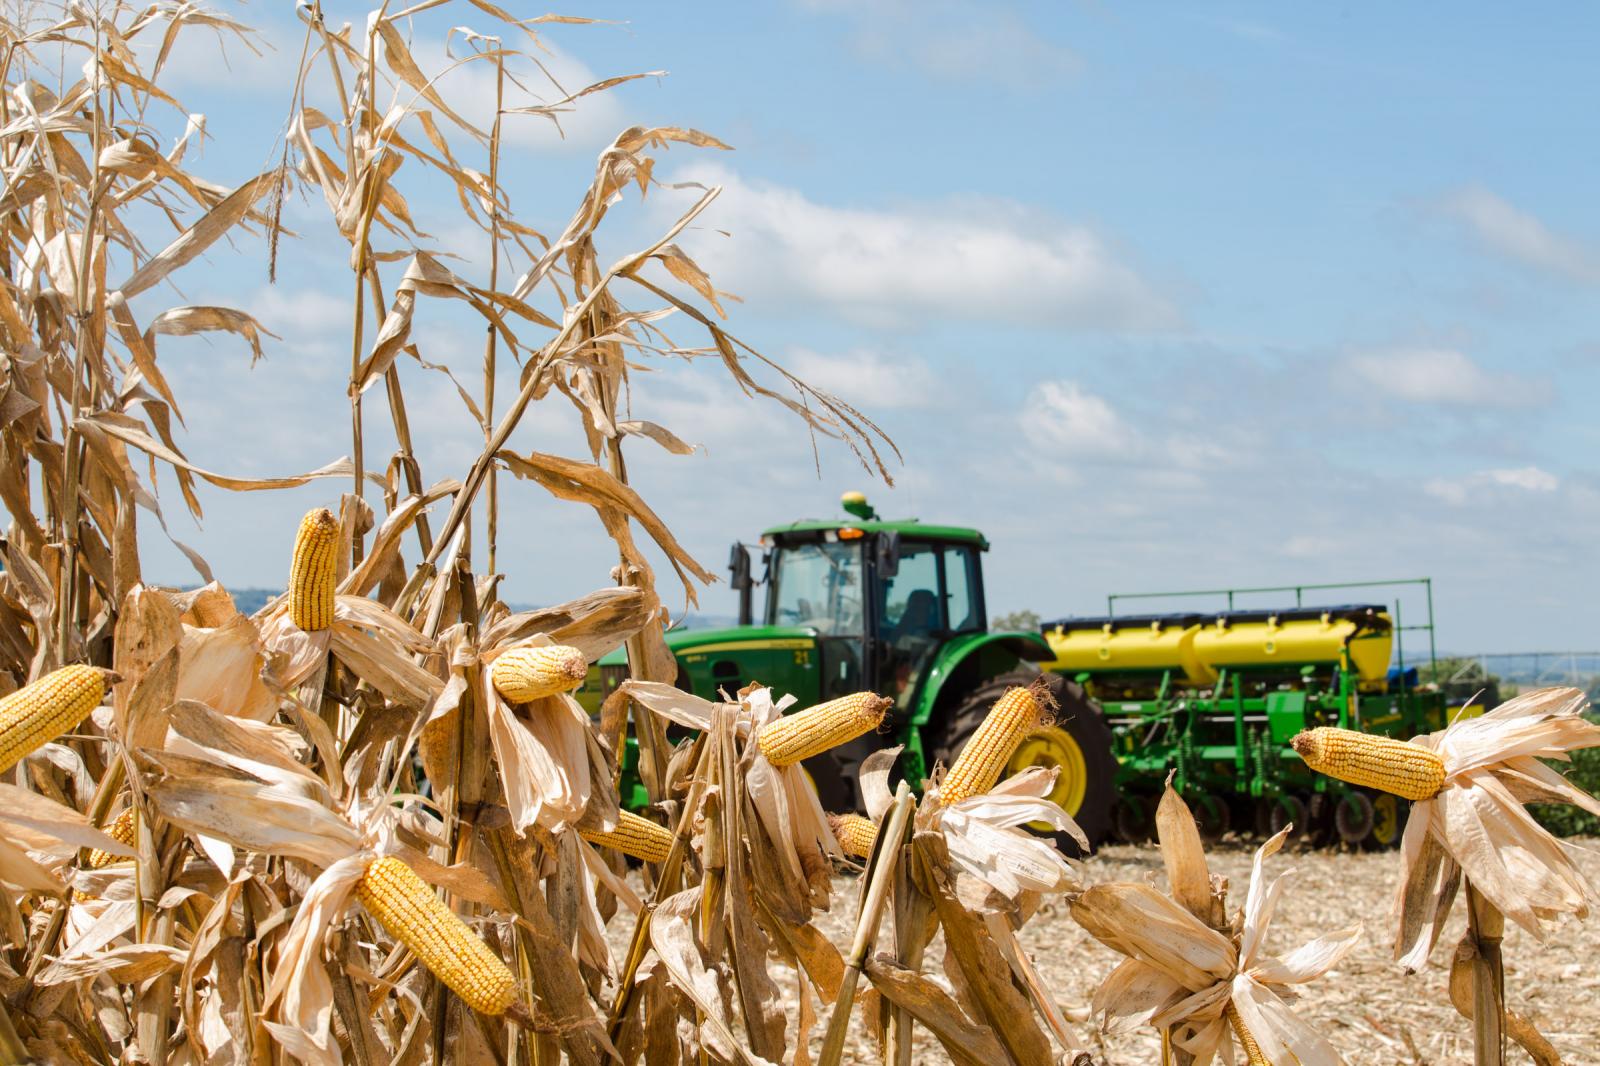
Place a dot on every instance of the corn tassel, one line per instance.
(406, 907)
(1018, 712)
(532, 673)
(121, 831)
(855, 834)
(311, 573)
(827, 725)
(1407, 770)
(36, 714)
(637, 837)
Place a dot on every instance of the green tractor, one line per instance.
(897, 608)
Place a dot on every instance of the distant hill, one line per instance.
(249, 601)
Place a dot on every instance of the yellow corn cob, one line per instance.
(1407, 770)
(634, 836)
(311, 573)
(1018, 712)
(532, 673)
(1252, 1050)
(405, 906)
(815, 730)
(854, 833)
(36, 714)
(121, 831)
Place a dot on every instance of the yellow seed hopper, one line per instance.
(1194, 647)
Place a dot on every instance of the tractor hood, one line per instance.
(730, 638)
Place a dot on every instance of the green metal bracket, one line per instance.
(913, 758)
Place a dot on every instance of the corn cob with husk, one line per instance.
(855, 834)
(1462, 835)
(122, 831)
(312, 571)
(1018, 712)
(636, 837)
(531, 673)
(1406, 770)
(796, 737)
(407, 908)
(1247, 1042)
(36, 714)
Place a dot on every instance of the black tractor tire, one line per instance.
(1078, 716)
(1133, 818)
(1211, 817)
(836, 773)
(1275, 812)
(1389, 821)
(1353, 817)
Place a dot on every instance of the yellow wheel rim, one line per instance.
(1385, 819)
(1054, 746)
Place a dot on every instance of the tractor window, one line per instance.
(911, 598)
(819, 585)
(960, 578)
(913, 616)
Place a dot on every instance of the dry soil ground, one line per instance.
(1371, 1011)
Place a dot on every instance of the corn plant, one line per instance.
(262, 772)
(1469, 784)
(1200, 975)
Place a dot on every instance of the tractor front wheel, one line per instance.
(1078, 742)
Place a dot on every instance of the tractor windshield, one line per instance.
(819, 585)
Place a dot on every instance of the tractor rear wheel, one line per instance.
(1079, 742)
(1388, 821)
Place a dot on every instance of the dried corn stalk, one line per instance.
(1198, 974)
(1491, 769)
(266, 765)
(1473, 826)
(980, 875)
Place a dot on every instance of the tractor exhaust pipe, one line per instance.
(739, 568)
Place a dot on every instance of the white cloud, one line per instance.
(865, 379)
(1444, 376)
(1459, 491)
(301, 312)
(1305, 546)
(975, 260)
(1517, 234)
(1254, 31)
(1062, 416)
(956, 41)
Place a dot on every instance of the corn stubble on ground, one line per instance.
(1371, 1012)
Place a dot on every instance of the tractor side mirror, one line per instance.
(739, 566)
(888, 554)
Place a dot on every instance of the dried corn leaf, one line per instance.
(968, 1043)
(199, 237)
(187, 321)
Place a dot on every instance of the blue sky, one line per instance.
(1157, 297)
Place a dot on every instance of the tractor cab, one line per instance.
(882, 598)
(859, 603)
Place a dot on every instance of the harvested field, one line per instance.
(1370, 1010)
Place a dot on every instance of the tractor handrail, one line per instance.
(1299, 591)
